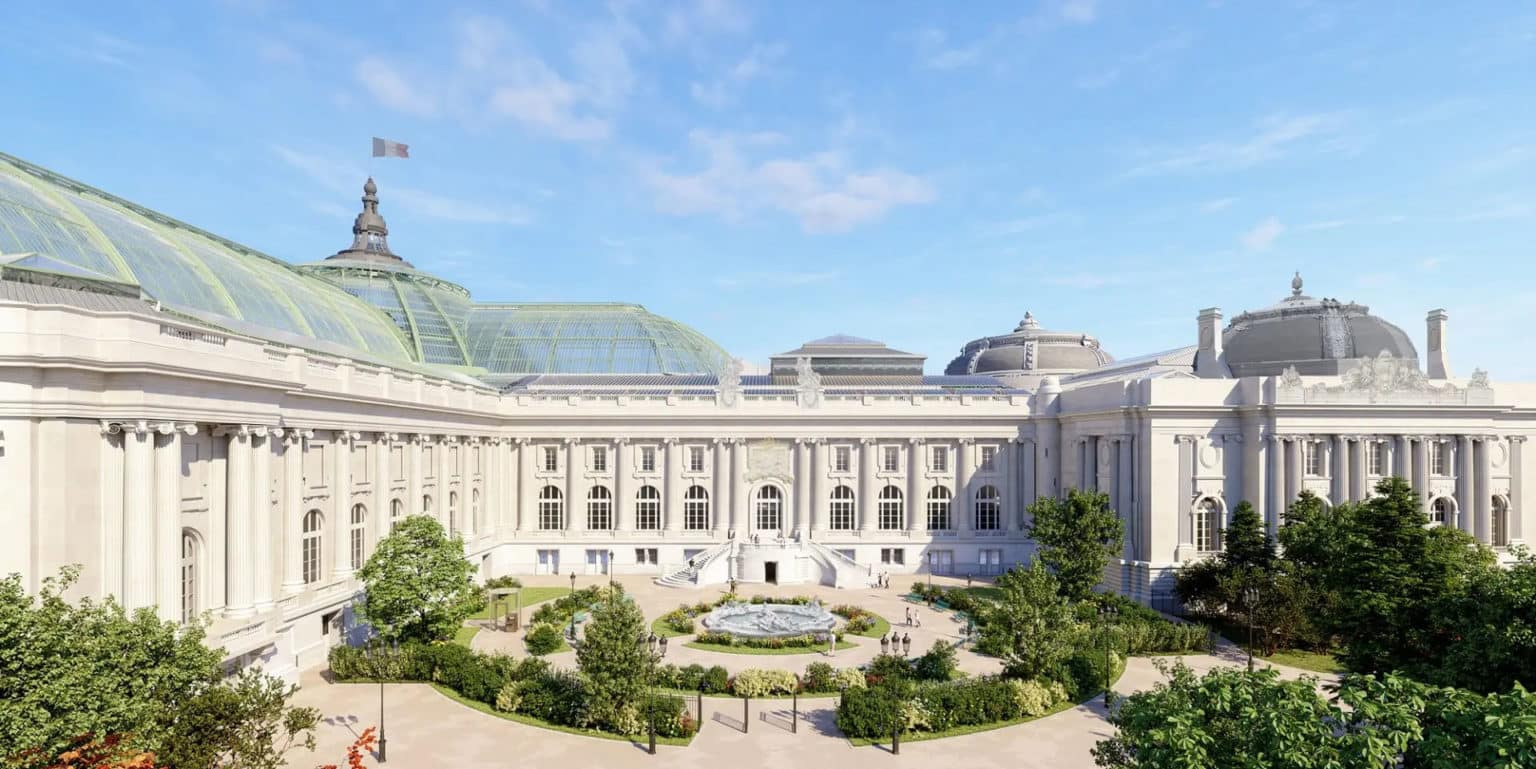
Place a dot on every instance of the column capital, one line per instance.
(1515, 438)
(917, 441)
(522, 441)
(223, 431)
(867, 441)
(620, 441)
(449, 439)
(675, 441)
(573, 442)
(1185, 438)
(167, 428)
(965, 441)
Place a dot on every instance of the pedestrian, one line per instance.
(909, 616)
(917, 619)
(967, 580)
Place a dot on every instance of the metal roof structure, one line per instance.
(585, 338)
(71, 227)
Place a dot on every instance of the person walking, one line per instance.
(909, 616)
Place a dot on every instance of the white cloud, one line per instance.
(774, 279)
(687, 22)
(818, 189)
(347, 178)
(1274, 136)
(392, 89)
(1217, 205)
(1080, 11)
(722, 89)
(277, 52)
(1431, 264)
(935, 52)
(1263, 235)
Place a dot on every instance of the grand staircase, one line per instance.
(688, 576)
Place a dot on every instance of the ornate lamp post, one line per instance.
(906, 644)
(572, 632)
(885, 645)
(655, 651)
(383, 741)
(1251, 598)
(1108, 614)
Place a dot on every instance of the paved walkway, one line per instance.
(426, 729)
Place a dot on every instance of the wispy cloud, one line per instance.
(1273, 137)
(686, 22)
(722, 90)
(393, 90)
(935, 51)
(773, 279)
(819, 189)
(1079, 11)
(1263, 234)
(1217, 205)
(343, 178)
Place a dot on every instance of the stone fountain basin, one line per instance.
(769, 620)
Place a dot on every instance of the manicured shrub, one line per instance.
(671, 714)
(860, 624)
(850, 678)
(501, 582)
(869, 713)
(888, 666)
(806, 640)
(1035, 697)
(715, 681)
(966, 703)
(542, 640)
(819, 677)
(678, 620)
(559, 697)
(939, 664)
(849, 611)
(760, 683)
(715, 637)
(510, 696)
(1083, 672)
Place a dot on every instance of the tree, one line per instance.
(616, 662)
(1493, 626)
(417, 584)
(1248, 559)
(1031, 627)
(89, 684)
(1076, 537)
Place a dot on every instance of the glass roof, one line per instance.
(186, 269)
(430, 312)
(577, 338)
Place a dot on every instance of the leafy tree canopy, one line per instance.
(615, 660)
(1031, 627)
(417, 584)
(1076, 537)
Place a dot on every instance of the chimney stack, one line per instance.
(1208, 358)
(1435, 363)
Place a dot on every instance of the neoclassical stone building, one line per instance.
(226, 436)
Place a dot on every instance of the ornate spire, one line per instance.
(1028, 322)
(1296, 284)
(370, 235)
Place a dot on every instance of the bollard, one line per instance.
(794, 721)
(699, 697)
(896, 741)
(746, 725)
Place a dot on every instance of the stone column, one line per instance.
(1008, 487)
(740, 505)
(1294, 465)
(623, 504)
(1359, 465)
(293, 509)
(917, 501)
(575, 496)
(1253, 465)
(1482, 489)
(1402, 464)
(1516, 490)
(466, 449)
(341, 503)
(672, 485)
(720, 498)
(527, 495)
(444, 510)
(414, 472)
(1466, 484)
(264, 580)
(1341, 457)
(383, 486)
(1048, 458)
(802, 485)
(961, 511)
(868, 510)
(1125, 478)
(818, 489)
(1276, 482)
(168, 518)
(1421, 470)
(1029, 465)
(138, 516)
(239, 574)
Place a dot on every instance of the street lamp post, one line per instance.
(383, 741)
(1251, 598)
(572, 631)
(655, 651)
(906, 644)
(1108, 614)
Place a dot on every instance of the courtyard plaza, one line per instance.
(427, 729)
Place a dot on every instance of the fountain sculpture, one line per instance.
(770, 620)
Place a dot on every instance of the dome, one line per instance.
(1029, 353)
(1316, 336)
(579, 338)
(91, 234)
(430, 312)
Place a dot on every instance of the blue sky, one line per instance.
(918, 173)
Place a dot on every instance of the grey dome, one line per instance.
(1317, 336)
(1030, 351)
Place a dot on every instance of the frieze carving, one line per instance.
(729, 393)
(768, 459)
(807, 384)
(1383, 379)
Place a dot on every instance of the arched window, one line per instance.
(1206, 513)
(842, 509)
(310, 550)
(647, 509)
(599, 509)
(1500, 522)
(189, 586)
(892, 511)
(770, 502)
(474, 509)
(453, 513)
(551, 509)
(1439, 511)
(988, 509)
(358, 535)
(938, 509)
(426, 504)
(396, 512)
(696, 509)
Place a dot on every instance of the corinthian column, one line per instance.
(527, 496)
(239, 574)
(138, 516)
(1276, 482)
(818, 488)
(915, 500)
(1466, 484)
(869, 512)
(1294, 464)
(623, 505)
(739, 501)
(293, 509)
(1483, 502)
(1421, 470)
(261, 518)
(576, 499)
(802, 512)
(168, 518)
(960, 511)
(341, 504)
(1340, 463)
(720, 504)
(672, 485)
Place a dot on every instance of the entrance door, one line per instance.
(941, 562)
(549, 562)
(597, 561)
(771, 572)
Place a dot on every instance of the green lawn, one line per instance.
(663, 630)
(465, 635)
(882, 627)
(531, 596)
(985, 591)
(1300, 658)
(769, 652)
(529, 720)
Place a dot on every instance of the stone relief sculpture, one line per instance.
(807, 384)
(1478, 380)
(730, 385)
(768, 459)
(1384, 379)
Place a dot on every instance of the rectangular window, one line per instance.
(939, 459)
(841, 459)
(1314, 457)
(695, 459)
(988, 454)
(600, 459)
(551, 459)
(1439, 458)
(647, 459)
(646, 556)
(890, 458)
(893, 556)
(1376, 458)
